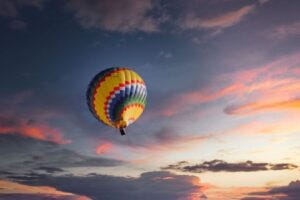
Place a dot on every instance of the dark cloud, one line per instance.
(160, 185)
(220, 165)
(10, 8)
(39, 197)
(18, 24)
(26, 176)
(289, 192)
(165, 138)
(50, 170)
(292, 190)
(123, 15)
(138, 15)
(21, 154)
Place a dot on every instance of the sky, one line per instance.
(223, 105)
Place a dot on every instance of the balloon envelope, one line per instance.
(117, 96)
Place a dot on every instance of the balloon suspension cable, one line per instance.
(122, 131)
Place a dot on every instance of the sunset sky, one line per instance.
(222, 120)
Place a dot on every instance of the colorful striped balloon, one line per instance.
(117, 97)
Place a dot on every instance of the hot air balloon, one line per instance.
(117, 97)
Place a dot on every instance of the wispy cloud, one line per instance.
(30, 128)
(18, 24)
(122, 16)
(11, 187)
(10, 8)
(180, 102)
(41, 196)
(263, 1)
(241, 193)
(27, 154)
(103, 148)
(10, 190)
(284, 31)
(249, 108)
(21, 116)
(285, 124)
(168, 139)
(273, 86)
(165, 54)
(220, 165)
(192, 21)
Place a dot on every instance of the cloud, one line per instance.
(292, 190)
(263, 1)
(22, 155)
(103, 148)
(11, 187)
(192, 21)
(284, 31)
(30, 128)
(122, 16)
(289, 192)
(50, 170)
(272, 86)
(10, 8)
(164, 54)
(249, 108)
(285, 124)
(160, 185)
(178, 103)
(22, 114)
(135, 15)
(241, 193)
(13, 191)
(41, 196)
(220, 165)
(18, 24)
(167, 139)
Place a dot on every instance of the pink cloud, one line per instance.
(228, 19)
(203, 95)
(31, 129)
(284, 31)
(19, 116)
(191, 21)
(261, 87)
(254, 107)
(218, 193)
(284, 125)
(103, 148)
(273, 87)
(296, 71)
(41, 192)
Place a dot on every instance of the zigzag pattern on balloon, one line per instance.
(113, 89)
(123, 91)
